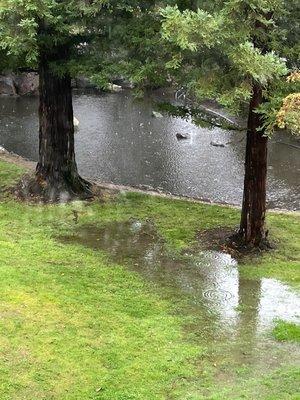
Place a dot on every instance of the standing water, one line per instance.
(119, 141)
(228, 315)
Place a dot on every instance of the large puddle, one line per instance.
(119, 141)
(231, 316)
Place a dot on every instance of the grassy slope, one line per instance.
(73, 327)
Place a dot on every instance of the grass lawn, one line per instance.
(75, 325)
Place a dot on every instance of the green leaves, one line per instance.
(224, 52)
(261, 67)
(190, 30)
(18, 30)
(26, 26)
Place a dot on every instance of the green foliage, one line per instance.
(107, 38)
(286, 331)
(263, 68)
(223, 52)
(140, 53)
(18, 29)
(190, 30)
(92, 31)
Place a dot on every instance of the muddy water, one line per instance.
(232, 317)
(119, 141)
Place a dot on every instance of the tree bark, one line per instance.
(252, 227)
(56, 171)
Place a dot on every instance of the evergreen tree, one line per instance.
(100, 39)
(242, 54)
(58, 38)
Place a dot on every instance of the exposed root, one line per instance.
(33, 188)
(238, 243)
(226, 240)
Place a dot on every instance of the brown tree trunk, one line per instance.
(252, 227)
(56, 172)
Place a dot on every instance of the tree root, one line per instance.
(36, 188)
(238, 243)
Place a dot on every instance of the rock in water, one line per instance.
(217, 144)
(114, 88)
(156, 114)
(181, 136)
(76, 122)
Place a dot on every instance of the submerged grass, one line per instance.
(74, 326)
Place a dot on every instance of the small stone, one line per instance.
(76, 122)
(156, 114)
(114, 88)
(216, 144)
(181, 136)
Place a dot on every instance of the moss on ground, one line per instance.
(75, 326)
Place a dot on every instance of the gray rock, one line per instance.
(114, 88)
(27, 84)
(181, 136)
(156, 114)
(75, 122)
(7, 85)
(216, 144)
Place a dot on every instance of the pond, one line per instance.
(119, 141)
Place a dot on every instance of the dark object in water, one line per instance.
(217, 144)
(181, 136)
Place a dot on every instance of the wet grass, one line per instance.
(286, 331)
(9, 174)
(75, 326)
(284, 261)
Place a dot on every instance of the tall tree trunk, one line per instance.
(252, 227)
(56, 171)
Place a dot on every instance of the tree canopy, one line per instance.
(228, 49)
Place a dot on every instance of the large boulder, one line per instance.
(7, 85)
(27, 83)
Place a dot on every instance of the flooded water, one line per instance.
(119, 141)
(231, 316)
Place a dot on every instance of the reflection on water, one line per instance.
(231, 315)
(119, 141)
